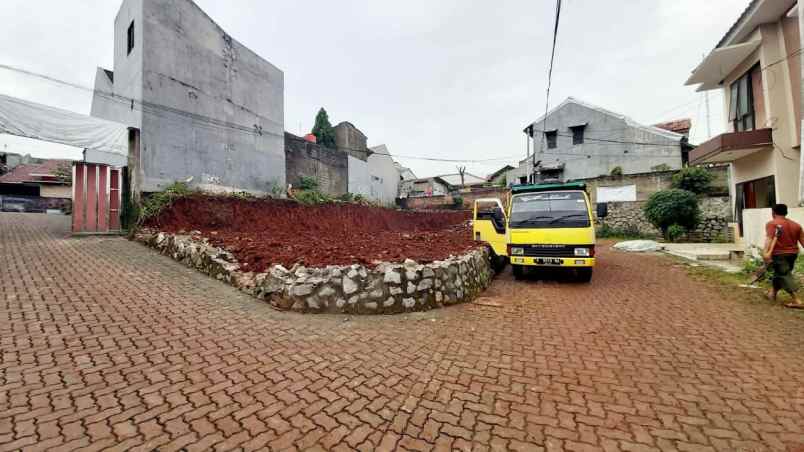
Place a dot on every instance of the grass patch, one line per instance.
(727, 285)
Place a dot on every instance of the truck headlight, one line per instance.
(517, 251)
(582, 252)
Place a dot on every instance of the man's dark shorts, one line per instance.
(783, 278)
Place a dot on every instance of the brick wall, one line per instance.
(448, 201)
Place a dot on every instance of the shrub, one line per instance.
(694, 179)
(311, 197)
(616, 171)
(155, 203)
(457, 202)
(675, 231)
(672, 207)
(308, 183)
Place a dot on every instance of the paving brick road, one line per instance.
(107, 345)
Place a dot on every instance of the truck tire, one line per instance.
(498, 263)
(585, 274)
(519, 271)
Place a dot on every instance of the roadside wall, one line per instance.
(715, 217)
(328, 166)
(447, 201)
(388, 288)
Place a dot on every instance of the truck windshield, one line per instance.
(566, 209)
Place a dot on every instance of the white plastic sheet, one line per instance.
(28, 119)
(638, 246)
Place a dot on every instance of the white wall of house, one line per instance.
(359, 179)
(754, 221)
(384, 176)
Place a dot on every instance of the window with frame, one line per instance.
(551, 136)
(577, 133)
(130, 38)
(741, 103)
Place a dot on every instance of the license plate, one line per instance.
(548, 261)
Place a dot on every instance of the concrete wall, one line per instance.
(359, 178)
(105, 105)
(351, 140)
(211, 108)
(605, 155)
(384, 176)
(754, 221)
(328, 166)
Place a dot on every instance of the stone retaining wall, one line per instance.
(628, 216)
(385, 289)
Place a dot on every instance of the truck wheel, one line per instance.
(519, 271)
(585, 274)
(498, 263)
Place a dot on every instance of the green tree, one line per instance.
(323, 130)
(672, 207)
(693, 178)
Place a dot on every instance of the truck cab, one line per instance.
(545, 225)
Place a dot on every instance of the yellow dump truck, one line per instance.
(544, 225)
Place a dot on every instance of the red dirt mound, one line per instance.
(265, 232)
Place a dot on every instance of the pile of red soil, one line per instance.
(265, 232)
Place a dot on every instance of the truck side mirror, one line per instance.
(602, 209)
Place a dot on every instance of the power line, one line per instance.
(151, 107)
(549, 83)
(158, 109)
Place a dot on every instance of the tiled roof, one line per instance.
(681, 126)
(24, 172)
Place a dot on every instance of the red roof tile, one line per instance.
(681, 126)
(23, 173)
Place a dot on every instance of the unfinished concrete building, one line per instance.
(202, 106)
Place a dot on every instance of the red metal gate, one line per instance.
(96, 198)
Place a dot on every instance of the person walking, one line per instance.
(781, 251)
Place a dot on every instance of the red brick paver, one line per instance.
(105, 344)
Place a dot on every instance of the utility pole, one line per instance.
(708, 121)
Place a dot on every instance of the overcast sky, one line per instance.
(449, 79)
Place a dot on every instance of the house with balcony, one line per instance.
(758, 68)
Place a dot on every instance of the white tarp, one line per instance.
(638, 246)
(28, 119)
(616, 194)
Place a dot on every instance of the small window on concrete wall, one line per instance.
(130, 38)
(577, 133)
(551, 136)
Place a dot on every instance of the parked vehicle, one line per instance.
(546, 225)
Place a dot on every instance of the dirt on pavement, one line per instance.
(265, 232)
